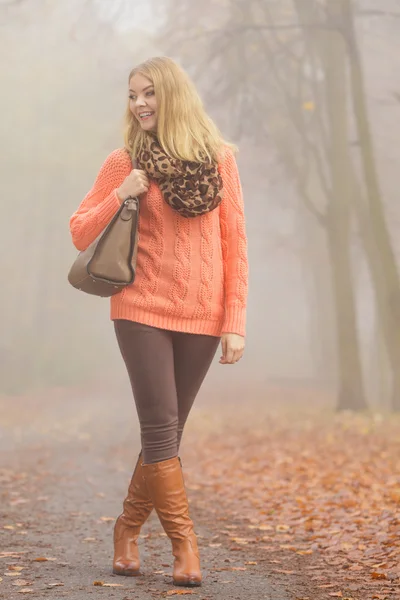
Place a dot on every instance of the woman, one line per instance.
(189, 292)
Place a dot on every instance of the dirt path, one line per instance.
(295, 505)
(64, 468)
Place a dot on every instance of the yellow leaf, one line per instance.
(265, 528)
(282, 528)
(310, 105)
(251, 562)
(8, 527)
(107, 519)
(21, 582)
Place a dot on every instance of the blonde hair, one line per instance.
(184, 130)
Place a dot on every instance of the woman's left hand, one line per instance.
(232, 345)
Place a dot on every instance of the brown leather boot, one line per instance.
(166, 488)
(137, 508)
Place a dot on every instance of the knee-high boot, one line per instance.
(165, 485)
(137, 507)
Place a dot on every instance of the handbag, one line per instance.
(109, 264)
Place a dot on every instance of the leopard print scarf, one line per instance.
(190, 188)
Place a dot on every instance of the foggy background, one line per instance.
(308, 89)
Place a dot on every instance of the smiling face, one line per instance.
(142, 102)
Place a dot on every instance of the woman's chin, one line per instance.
(148, 126)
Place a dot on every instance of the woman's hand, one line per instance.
(135, 184)
(232, 346)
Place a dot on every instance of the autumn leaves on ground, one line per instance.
(318, 493)
(292, 491)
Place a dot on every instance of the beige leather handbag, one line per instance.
(109, 263)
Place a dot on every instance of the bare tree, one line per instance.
(267, 65)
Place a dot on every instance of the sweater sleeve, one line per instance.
(101, 203)
(234, 248)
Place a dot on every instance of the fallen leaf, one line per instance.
(251, 562)
(102, 584)
(1, 579)
(8, 527)
(51, 585)
(304, 552)
(107, 519)
(238, 569)
(25, 591)
(180, 592)
(335, 594)
(284, 571)
(89, 539)
(14, 574)
(214, 545)
(15, 568)
(40, 559)
(282, 528)
(376, 575)
(22, 582)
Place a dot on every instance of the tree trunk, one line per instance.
(351, 392)
(383, 267)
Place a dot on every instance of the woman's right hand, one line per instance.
(135, 183)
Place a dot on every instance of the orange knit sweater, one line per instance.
(192, 273)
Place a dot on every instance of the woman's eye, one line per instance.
(132, 97)
(150, 93)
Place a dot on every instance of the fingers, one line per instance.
(224, 349)
(140, 181)
(232, 351)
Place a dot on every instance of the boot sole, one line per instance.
(189, 583)
(127, 573)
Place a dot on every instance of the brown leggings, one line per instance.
(166, 370)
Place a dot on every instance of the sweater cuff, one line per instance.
(235, 320)
(107, 209)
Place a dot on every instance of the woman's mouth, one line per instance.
(144, 116)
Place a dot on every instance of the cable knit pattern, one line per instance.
(148, 283)
(181, 272)
(203, 309)
(182, 264)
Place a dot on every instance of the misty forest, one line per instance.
(307, 426)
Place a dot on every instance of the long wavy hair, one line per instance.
(184, 130)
